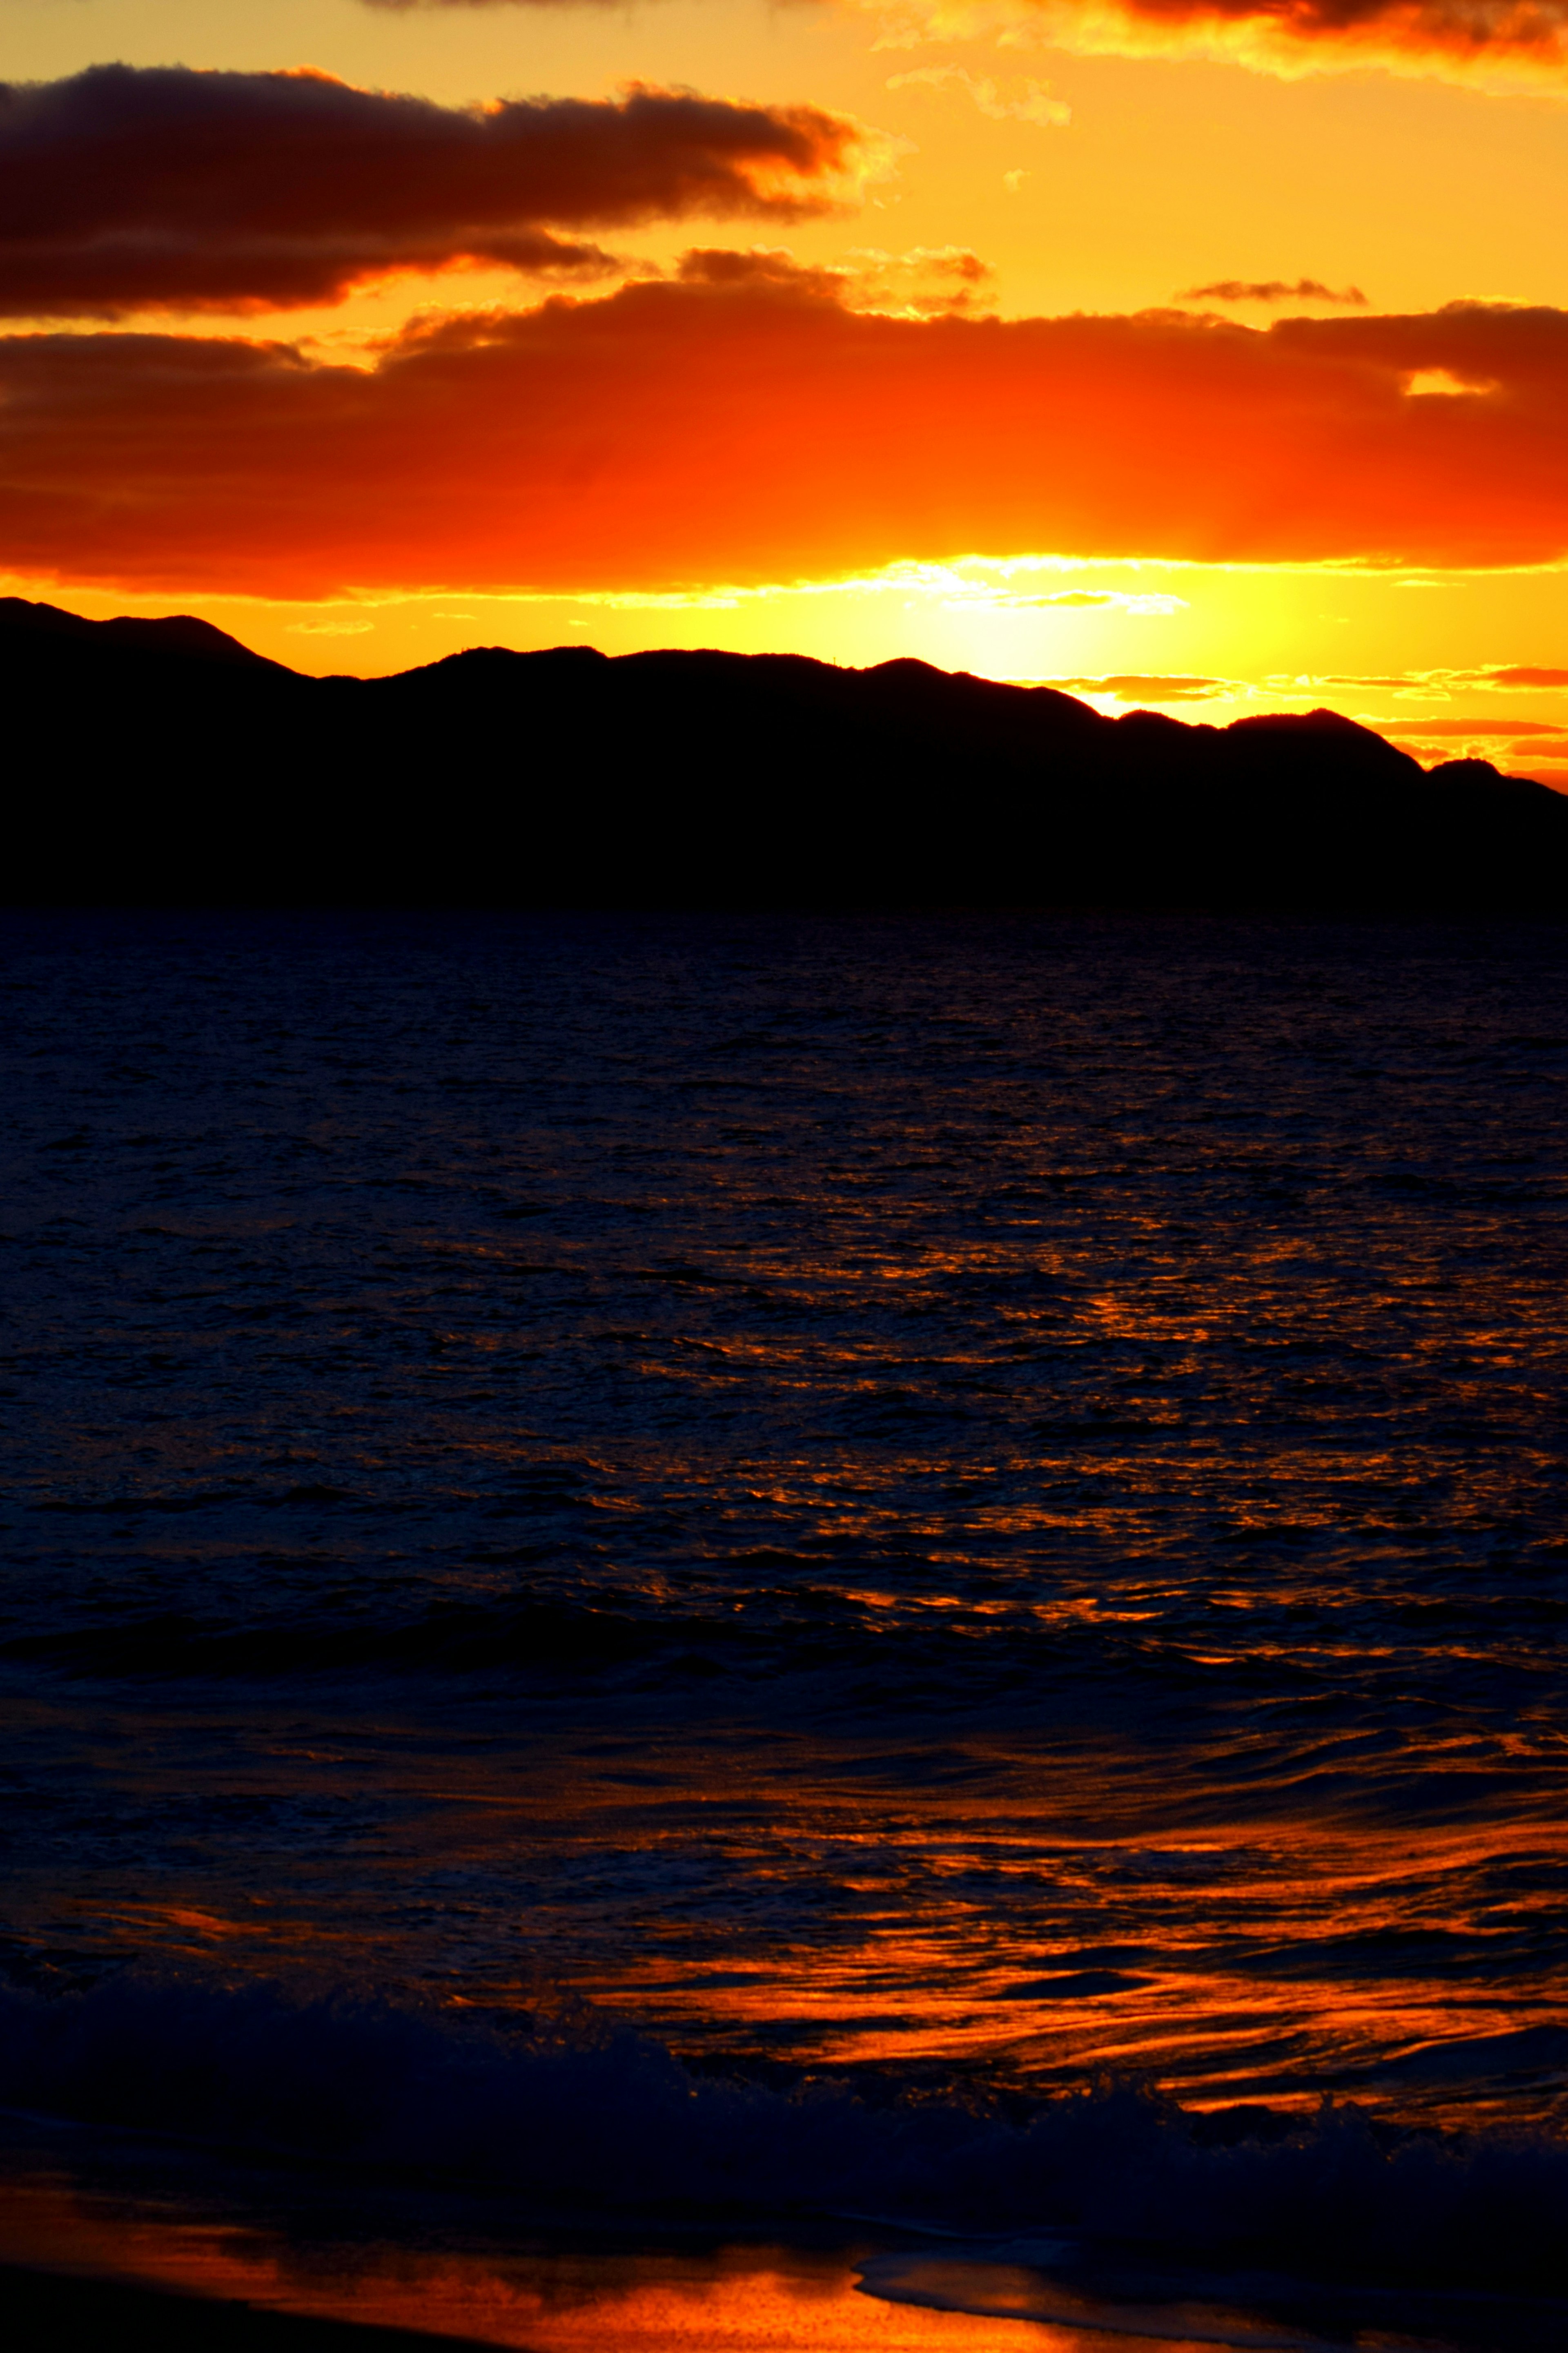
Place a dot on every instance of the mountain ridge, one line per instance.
(184, 769)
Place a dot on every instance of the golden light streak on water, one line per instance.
(735, 2299)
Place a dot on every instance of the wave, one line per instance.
(751, 1634)
(458, 1639)
(806, 1631)
(573, 2116)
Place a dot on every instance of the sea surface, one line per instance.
(890, 1587)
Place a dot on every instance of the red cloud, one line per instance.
(1512, 40)
(1517, 38)
(122, 188)
(1457, 29)
(752, 428)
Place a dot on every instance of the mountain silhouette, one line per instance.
(161, 762)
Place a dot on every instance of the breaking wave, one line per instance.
(572, 2118)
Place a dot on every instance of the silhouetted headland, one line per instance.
(160, 762)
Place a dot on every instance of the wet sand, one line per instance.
(83, 2269)
(47, 2312)
(100, 2265)
(106, 2266)
(662, 2312)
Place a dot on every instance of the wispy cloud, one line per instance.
(1485, 730)
(1437, 685)
(1500, 44)
(1273, 289)
(1029, 101)
(1493, 44)
(1151, 687)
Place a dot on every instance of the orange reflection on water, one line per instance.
(736, 2299)
(1246, 1928)
(1263, 1957)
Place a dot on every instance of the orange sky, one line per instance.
(1206, 356)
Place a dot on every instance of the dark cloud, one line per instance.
(1273, 289)
(122, 188)
(750, 428)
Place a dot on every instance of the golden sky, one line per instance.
(1212, 357)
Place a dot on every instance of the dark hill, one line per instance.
(176, 633)
(159, 762)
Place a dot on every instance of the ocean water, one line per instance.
(891, 1587)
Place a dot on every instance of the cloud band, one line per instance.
(742, 424)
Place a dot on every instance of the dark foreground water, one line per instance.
(732, 1576)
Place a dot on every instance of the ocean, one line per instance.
(834, 1631)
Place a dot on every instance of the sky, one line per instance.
(1205, 355)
